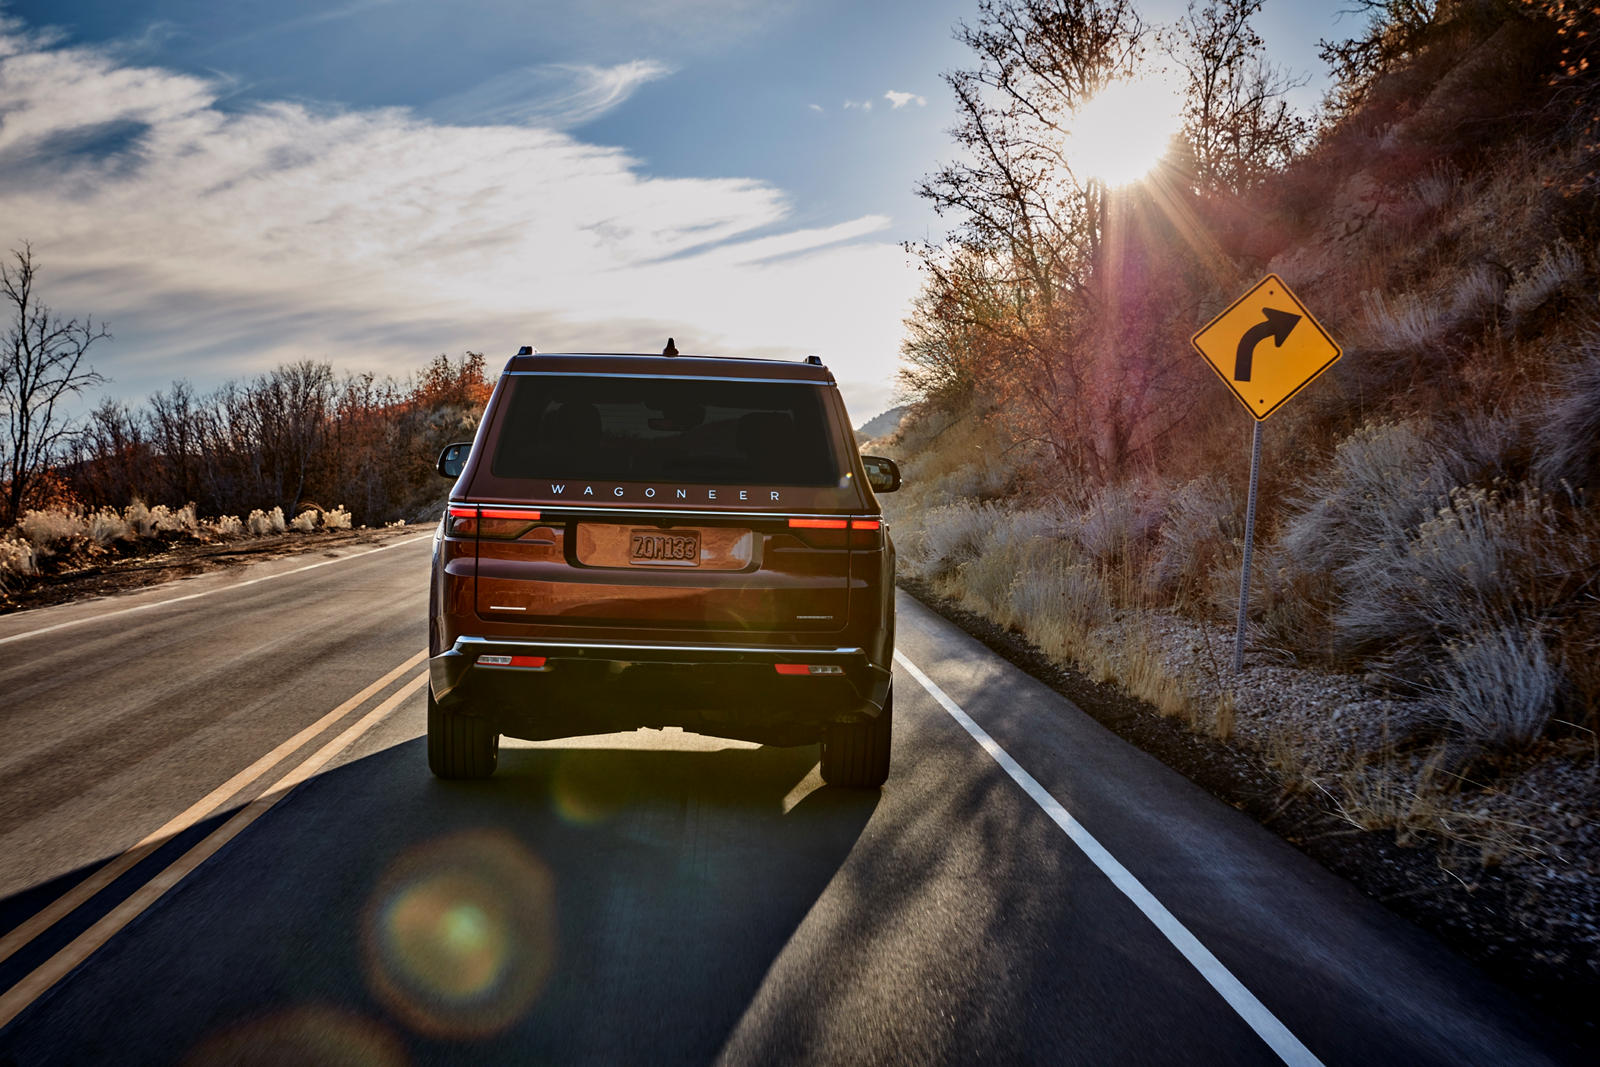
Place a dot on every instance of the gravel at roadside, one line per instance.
(1499, 859)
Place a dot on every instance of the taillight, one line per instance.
(823, 533)
(866, 533)
(837, 533)
(506, 523)
(807, 668)
(469, 520)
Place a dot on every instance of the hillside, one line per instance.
(1423, 655)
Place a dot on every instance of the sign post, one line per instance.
(1231, 344)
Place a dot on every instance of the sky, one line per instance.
(234, 185)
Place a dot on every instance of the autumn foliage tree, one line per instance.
(1064, 304)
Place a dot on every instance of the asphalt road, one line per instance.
(1026, 887)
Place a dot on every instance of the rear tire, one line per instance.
(856, 754)
(460, 746)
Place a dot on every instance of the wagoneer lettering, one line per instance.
(617, 522)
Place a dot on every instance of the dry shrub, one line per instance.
(1199, 533)
(1567, 435)
(224, 527)
(18, 560)
(1558, 268)
(306, 521)
(1407, 323)
(1479, 560)
(137, 516)
(1496, 688)
(53, 528)
(1118, 523)
(106, 527)
(261, 523)
(337, 519)
(1476, 292)
(1435, 189)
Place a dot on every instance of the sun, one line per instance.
(1124, 130)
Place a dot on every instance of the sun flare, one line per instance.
(1121, 133)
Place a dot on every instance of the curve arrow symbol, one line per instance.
(1276, 325)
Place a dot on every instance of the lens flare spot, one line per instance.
(460, 934)
(587, 790)
(313, 1035)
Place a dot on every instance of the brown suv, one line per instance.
(656, 541)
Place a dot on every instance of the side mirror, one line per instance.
(882, 474)
(453, 458)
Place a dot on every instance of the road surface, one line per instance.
(221, 844)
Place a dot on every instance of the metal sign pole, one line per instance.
(1249, 546)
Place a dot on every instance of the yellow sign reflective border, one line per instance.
(1266, 346)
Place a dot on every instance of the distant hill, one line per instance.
(882, 425)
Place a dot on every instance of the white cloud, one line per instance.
(898, 100)
(815, 107)
(554, 96)
(220, 242)
(858, 105)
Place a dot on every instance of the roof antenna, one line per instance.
(671, 349)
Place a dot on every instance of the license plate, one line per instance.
(655, 548)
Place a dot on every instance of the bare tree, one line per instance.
(1237, 117)
(41, 366)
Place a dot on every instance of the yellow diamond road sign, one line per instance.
(1266, 347)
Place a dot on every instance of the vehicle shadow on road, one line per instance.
(584, 905)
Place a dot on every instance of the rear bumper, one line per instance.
(724, 691)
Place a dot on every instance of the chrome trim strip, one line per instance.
(678, 377)
(593, 509)
(471, 642)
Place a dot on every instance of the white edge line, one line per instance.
(207, 592)
(1241, 1000)
(17, 999)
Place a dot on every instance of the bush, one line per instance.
(1117, 524)
(1199, 532)
(261, 523)
(52, 528)
(1478, 560)
(1496, 688)
(1559, 266)
(17, 560)
(337, 519)
(224, 527)
(306, 521)
(106, 526)
(1385, 479)
(1568, 436)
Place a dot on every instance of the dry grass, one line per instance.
(1558, 268)
(66, 536)
(265, 523)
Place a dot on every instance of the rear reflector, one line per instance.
(807, 668)
(509, 513)
(866, 524)
(817, 524)
(525, 662)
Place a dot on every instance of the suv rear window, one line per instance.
(685, 430)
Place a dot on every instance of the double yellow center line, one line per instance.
(16, 999)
